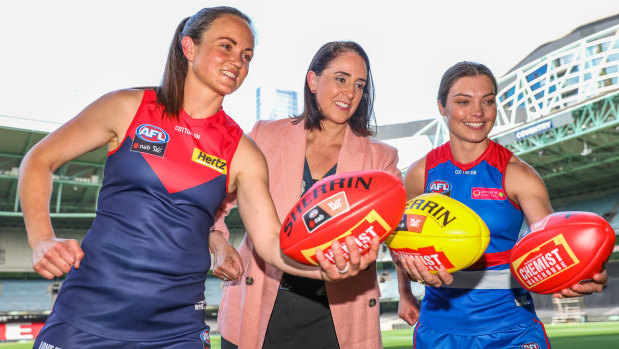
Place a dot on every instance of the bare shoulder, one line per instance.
(417, 169)
(251, 163)
(247, 147)
(113, 108)
(415, 177)
(125, 95)
(98, 124)
(520, 170)
(527, 189)
(112, 112)
(125, 101)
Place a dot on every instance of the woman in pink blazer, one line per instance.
(267, 308)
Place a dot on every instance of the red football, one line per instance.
(363, 204)
(560, 250)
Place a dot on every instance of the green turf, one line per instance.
(16, 345)
(593, 335)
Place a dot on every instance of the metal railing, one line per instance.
(574, 75)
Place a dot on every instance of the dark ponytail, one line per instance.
(170, 93)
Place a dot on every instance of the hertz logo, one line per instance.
(209, 160)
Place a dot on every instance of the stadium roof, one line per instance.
(76, 184)
(576, 34)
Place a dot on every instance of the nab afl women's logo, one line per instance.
(313, 213)
(440, 186)
(150, 139)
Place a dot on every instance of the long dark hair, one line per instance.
(362, 121)
(171, 91)
(459, 70)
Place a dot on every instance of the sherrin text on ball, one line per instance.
(441, 231)
(362, 204)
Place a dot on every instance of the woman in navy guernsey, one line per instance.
(480, 307)
(138, 278)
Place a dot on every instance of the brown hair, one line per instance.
(459, 70)
(171, 91)
(362, 121)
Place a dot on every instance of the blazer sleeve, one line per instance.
(390, 159)
(230, 201)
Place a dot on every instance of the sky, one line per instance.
(58, 56)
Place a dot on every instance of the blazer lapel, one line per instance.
(353, 153)
(290, 167)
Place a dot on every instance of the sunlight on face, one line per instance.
(340, 87)
(470, 108)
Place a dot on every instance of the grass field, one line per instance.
(593, 335)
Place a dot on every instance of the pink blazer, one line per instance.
(246, 305)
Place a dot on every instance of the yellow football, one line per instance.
(441, 231)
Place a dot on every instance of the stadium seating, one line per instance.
(25, 295)
(605, 205)
(15, 251)
(388, 285)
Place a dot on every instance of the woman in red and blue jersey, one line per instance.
(137, 280)
(482, 306)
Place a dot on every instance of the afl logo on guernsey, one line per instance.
(153, 134)
(440, 186)
(150, 139)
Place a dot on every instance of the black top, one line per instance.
(310, 288)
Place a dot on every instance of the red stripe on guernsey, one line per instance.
(491, 260)
(438, 156)
(494, 155)
(545, 334)
(498, 157)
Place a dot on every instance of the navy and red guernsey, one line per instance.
(483, 298)
(146, 254)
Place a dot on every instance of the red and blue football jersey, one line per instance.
(483, 298)
(146, 254)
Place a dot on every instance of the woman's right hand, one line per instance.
(342, 268)
(416, 271)
(55, 257)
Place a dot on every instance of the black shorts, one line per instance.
(299, 322)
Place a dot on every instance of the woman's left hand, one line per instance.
(343, 269)
(227, 263)
(583, 289)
